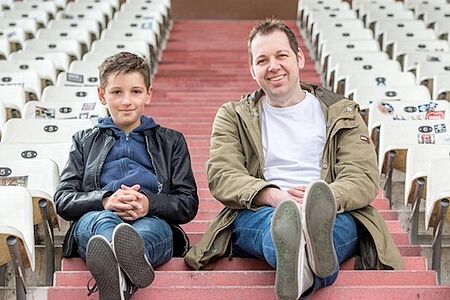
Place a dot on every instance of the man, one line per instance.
(296, 171)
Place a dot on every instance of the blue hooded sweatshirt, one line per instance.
(128, 162)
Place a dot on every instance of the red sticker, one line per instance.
(435, 115)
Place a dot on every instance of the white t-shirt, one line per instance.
(293, 139)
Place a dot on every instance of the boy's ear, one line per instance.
(101, 94)
(149, 95)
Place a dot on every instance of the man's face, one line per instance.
(125, 95)
(275, 67)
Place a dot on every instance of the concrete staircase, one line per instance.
(205, 64)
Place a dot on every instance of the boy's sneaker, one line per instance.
(128, 246)
(293, 276)
(101, 262)
(319, 217)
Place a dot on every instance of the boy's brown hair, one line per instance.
(268, 26)
(124, 62)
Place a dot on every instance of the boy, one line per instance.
(127, 185)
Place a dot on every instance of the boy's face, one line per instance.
(125, 95)
(274, 66)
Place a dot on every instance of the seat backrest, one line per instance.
(331, 46)
(344, 70)
(343, 57)
(110, 46)
(28, 79)
(401, 34)
(378, 79)
(394, 25)
(441, 87)
(29, 25)
(60, 60)
(70, 94)
(58, 152)
(40, 177)
(5, 48)
(409, 60)
(343, 34)
(13, 97)
(67, 24)
(42, 130)
(437, 189)
(383, 111)
(70, 79)
(400, 47)
(70, 46)
(344, 25)
(17, 222)
(44, 67)
(64, 110)
(427, 69)
(367, 96)
(395, 135)
(417, 162)
(79, 34)
(2, 117)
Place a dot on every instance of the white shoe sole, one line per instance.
(128, 247)
(286, 235)
(103, 266)
(320, 216)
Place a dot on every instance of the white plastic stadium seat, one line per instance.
(58, 152)
(366, 95)
(64, 110)
(18, 223)
(377, 79)
(42, 130)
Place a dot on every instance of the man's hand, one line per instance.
(297, 193)
(272, 196)
(128, 203)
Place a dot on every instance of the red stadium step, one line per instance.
(266, 293)
(238, 263)
(261, 278)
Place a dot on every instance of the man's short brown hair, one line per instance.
(268, 26)
(124, 62)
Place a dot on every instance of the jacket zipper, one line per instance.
(160, 186)
(102, 161)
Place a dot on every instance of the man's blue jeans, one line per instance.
(252, 237)
(155, 232)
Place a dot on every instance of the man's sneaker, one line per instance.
(128, 247)
(293, 276)
(101, 262)
(319, 217)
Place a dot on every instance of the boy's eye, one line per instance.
(116, 92)
(137, 92)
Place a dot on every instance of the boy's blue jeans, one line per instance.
(252, 237)
(155, 232)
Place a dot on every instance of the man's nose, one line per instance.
(274, 64)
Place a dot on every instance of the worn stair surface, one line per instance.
(204, 65)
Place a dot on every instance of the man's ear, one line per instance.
(149, 95)
(101, 94)
(300, 58)
(252, 72)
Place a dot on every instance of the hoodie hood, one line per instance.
(146, 123)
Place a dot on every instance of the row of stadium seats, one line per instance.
(48, 91)
(393, 59)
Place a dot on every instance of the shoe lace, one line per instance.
(91, 289)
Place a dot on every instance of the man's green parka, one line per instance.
(235, 176)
